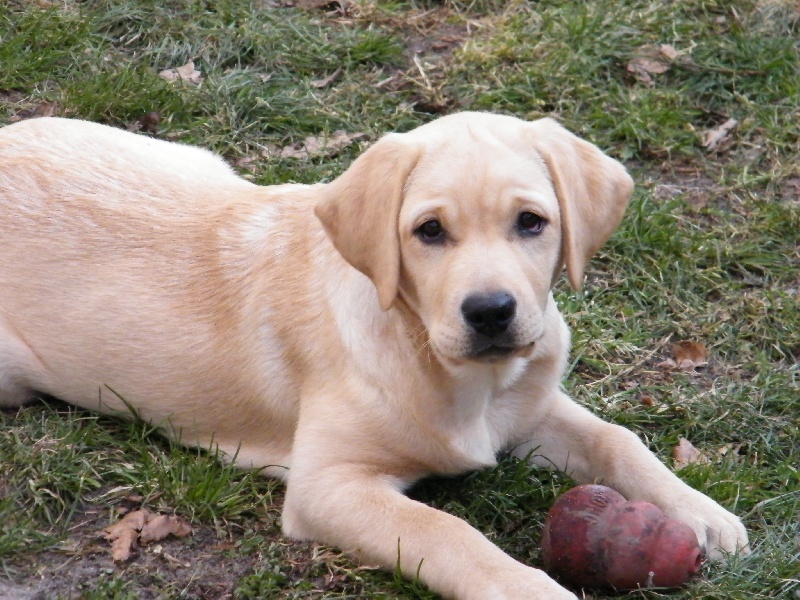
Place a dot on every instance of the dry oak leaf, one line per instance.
(687, 356)
(685, 454)
(159, 527)
(185, 73)
(123, 534)
(320, 145)
(651, 59)
(144, 526)
(714, 137)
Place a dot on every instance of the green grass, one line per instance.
(709, 251)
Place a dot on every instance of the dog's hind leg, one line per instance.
(18, 368)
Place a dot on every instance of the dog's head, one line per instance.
(470, 219)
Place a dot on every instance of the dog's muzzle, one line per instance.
(490, 317)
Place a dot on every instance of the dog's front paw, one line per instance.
(719, 532)
(531, 584)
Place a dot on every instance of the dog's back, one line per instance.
(44, 153)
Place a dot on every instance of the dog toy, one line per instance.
(594, 538)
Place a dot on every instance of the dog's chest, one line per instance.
(477, 415)
(473, 439)
(474, 420)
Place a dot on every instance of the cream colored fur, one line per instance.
(311, 332)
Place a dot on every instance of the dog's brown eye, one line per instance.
(430, 231)
(530, 223)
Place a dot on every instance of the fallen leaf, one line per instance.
(168, 74)
(144, 526)
(686, 356)
(689, 355)
(269, 149)
(122, 544)
(714, 137)
(685, 454)
(320, 145)
(669, 51)
(150, 122)
(159, 527)
(123, 534)
(245, 162)
(326, 81)
(147, 123)
(45, 109)
(432, 105)
(648, 60)
(185, 73)
(133, 520)
(652, 59)
(647, 400)
(188, 73)
(294, 151)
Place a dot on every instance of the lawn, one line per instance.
(699, 98)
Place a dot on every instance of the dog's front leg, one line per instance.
(591, 450)
(363, 512)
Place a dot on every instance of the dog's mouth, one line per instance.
(497, 353)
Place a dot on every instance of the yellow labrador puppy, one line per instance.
(349, 337)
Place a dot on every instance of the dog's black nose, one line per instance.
(489, 314)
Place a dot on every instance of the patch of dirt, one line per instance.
(207, 565)
(429, 36)
(19, 106)
(82, 561)
(693, 187)
(11, 96)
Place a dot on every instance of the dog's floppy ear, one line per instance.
(592, 189)
(360, 211)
